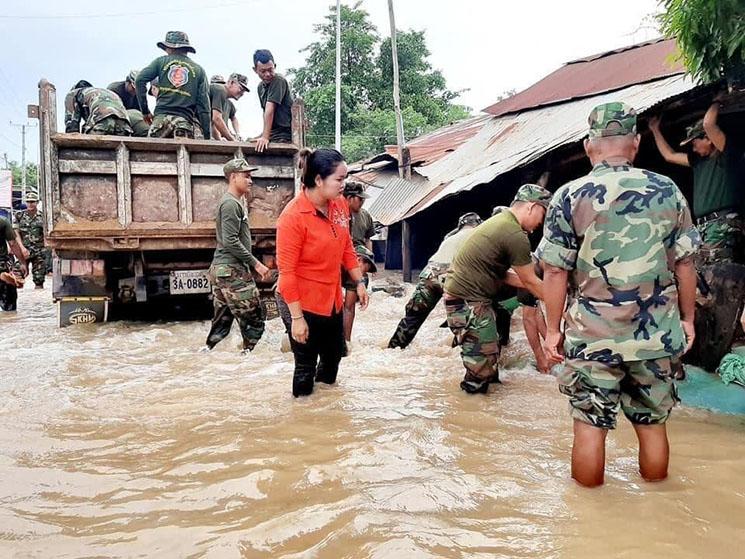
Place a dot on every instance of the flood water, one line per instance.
(122, 440)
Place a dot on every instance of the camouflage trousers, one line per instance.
(171, 126)
(37, 263)
(235, 296)
(8, 293)
(427, 294)
(474, 325)
(723, 240)
(111, 126)
(644, 390)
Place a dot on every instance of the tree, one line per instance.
(710, 35)
(32, 175)
(367, 117)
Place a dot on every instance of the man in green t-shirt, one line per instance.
(126, 91)
(479, 271)
(718, 185)
(276, 101)
(234, 292)
(220, 100)
(183, 95)
(9, 281)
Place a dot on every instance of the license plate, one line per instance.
(186, 282)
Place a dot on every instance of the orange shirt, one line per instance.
(311, 250)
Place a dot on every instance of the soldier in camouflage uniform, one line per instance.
(101, 110)
(10, 274)
(30, 226)
(625, 239)
(429, 288)
(183, 96)
(478, 274)
(234, 292)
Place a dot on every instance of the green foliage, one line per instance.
(367, 117)
(710, 35)
(32, 175)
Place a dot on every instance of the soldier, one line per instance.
(234, 292)
(9, 280)
(141, 128)
(183, 93)
(276, 101)
(126, 91)
(220, 96)
(479, 272)
(717, 184)
(429, 288)
(100, 109)
(625, 238)
(30, 226)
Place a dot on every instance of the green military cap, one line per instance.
(132, 76)
(367, 255)
(694, 131)
(32, 197)
(354, 188)
(237, 165)
(533, 193)
(470, 218)
(241, 79)
(176, 40)
(217, 78)
(612, 119)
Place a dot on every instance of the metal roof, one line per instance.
(398, 196)
(596, 74)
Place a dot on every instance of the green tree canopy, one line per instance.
(367, 117)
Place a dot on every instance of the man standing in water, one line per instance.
(30, 226)
(625, 237)
(234, 291)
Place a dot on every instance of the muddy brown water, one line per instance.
(122, 440)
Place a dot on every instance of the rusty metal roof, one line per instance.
(597, 74)
(398, 196)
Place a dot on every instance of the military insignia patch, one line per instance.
(178, 75)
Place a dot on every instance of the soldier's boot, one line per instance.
(474, 387)
(220, 329)
(39, 286)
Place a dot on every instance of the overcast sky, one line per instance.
(484, 46)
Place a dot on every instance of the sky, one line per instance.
(485, 47)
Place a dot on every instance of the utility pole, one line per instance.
(23, 156)
(337, 131)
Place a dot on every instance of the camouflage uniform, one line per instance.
(722, 239)
(619, 232)
(101, 109)
(171, 126)
(31, 228)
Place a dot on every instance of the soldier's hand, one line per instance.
(553, 345)
(24, 270)
(148, 118)
(690, 333)
(654, 122)
(542, 364)
(299, 330)
(363, 296)
(25, 252)
(719, 97)
(261, 143)
(263, 271)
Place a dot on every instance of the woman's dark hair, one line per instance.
(264, 56)
(321, 162)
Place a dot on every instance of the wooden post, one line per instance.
(48, 175)
(183, 164)
(123, 186)
(337, 115)
(406, 249)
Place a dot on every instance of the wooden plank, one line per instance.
(153, 168)
(48, 170)
(87, 167)
(263, 171)
(184, 186)
(123, 186)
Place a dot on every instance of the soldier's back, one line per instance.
(180, 80)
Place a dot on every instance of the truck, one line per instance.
(130, 221)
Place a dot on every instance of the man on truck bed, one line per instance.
(183, 93)
(276, 101)
(126, 91)
(220, 96)
(101, 110)
(234, 291)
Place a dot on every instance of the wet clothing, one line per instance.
(182, 92)
(7, 235)
(129, 100)
(31, 229)
(644, 390)
(233, 234)
(718, 180)
(479, 268)
(101, 111)
(311, 250)
(278, 92)
(361, 227)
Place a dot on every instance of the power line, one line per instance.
(121, 14)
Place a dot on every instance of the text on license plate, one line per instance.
(189, 281)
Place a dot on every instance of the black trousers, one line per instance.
(318, 359)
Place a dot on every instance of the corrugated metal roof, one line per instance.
(597, 74)
(398, 196)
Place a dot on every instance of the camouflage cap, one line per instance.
(367, 255)
(217, 78)
(237, 165)
(533, 193)
(241, 79)
(694, 131)
(132, 76)
(470, 218)
(354, 188)
(176, 40)
(612, 119)
(32, 197)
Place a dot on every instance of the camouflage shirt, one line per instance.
(91, 104)
(619, 231)
(31, 228)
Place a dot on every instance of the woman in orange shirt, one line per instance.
(313, 244)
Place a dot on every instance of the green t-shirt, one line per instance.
(278, 92)
(718, 180)
(479, 268)
(129, 100)
(233, 234)
(182, 89)
(6, 235)
(361, 227)
(219, 99)
(231, 112)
